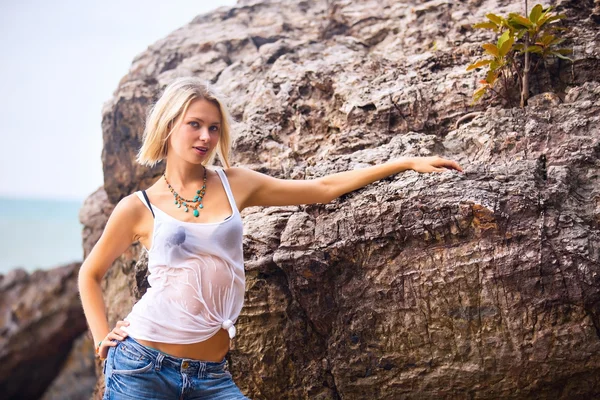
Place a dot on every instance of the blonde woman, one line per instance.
(173, 343)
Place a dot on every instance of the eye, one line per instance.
(194, 122)
(216, 128)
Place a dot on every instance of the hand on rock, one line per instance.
(434, 164)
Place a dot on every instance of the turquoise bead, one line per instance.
(195, 198)
(196, 213)
(197, 191)
(185, 204)
(178, 205)
(201, 206)
(186, 209)
(175, 201)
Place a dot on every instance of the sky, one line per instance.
(61, 61)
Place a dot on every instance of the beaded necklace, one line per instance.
(179, 201)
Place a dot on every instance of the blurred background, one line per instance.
(61, 61)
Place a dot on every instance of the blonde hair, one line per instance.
(167, 113)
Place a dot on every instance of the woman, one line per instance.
(173, 343)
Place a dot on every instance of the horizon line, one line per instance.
(13, 196)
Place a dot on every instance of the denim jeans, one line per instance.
(134, 371)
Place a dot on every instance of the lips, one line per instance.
(201, 149)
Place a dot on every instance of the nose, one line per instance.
(204, 134)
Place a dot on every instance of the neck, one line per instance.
(185, 177)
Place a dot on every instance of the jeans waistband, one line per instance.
(177, 362)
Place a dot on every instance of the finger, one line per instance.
(113, 338)
(106, 343)
(451, 166)
(454, 165)
(118, 334)
(118, 329)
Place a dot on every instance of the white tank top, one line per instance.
(196, 277)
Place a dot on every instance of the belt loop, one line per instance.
(159, 359)
(202, 370)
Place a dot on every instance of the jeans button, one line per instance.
(184, 364)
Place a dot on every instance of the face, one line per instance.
(198, 134)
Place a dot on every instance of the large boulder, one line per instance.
(482, 285)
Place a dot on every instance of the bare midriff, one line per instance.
(213, 349)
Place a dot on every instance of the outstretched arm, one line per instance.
(263, 190)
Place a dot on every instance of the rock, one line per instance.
(595, 16)
(544, 100)
(77, 377)
(41, 317)
(481, 285)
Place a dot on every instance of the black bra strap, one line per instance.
(148, 201)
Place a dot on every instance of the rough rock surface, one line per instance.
(77, 377)
(484, 285)
(41, 317)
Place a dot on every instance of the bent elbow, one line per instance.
(87, 274)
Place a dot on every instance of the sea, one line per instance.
(39, 233)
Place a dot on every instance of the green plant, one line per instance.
(519, 35)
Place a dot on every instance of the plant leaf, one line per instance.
(486, 25)
(505, 24)
(546, 39)
(534, 49)
(479, 64)
(478, 93)
(546, 11)
(536, 12)
(503, 38)
(519, 19)
(506, 47)
(494, 18)
(564, 51)
(517, 26)
(556, 41)
(557, 54)
(491, 77)
(549, 19)
(490, 48)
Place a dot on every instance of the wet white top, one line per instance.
(196, 278)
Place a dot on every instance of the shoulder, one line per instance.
(241, 172)
(243, 177)
(129, 215)
(121, 230)
(131, 202)
(235, 172)
(130, 208)
(243, 182)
